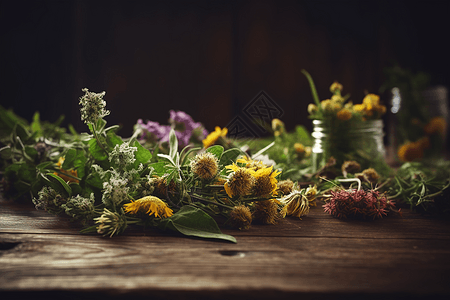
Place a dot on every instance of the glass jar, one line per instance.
(360, 141)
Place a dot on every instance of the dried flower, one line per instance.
(370, 175)
(92, 106)
(80, 207)
(240, 181)
(150, 205)
(49, 200)
(251, 164)
(110, 223)
(296, 204)
(266, 211)
(312, 108)
(310, 195)
(265, 182)
(285, 186)
(358, 204)
(351, 167)
(240, 217)
(205, 165)
(212, 138)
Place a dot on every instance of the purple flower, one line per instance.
(183, 124)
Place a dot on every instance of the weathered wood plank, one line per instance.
(317, 257)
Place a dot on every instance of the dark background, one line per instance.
(208, 58)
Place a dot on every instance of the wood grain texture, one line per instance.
(316, 257)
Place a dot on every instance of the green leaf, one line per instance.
(229, 156)
(192, 221)
(142, 155)
(97, 151)
(158, 168)
(59, 184)
(69, 159)
(173, 144)
(36, 124)
(112, 139)
(217, 150)
(313, 89)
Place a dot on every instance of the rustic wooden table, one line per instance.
(317, 257)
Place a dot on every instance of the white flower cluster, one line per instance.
(92, 106)
(115, 190)
(122, 155)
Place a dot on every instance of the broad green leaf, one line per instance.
(94, 180)
(59, 184)
(69, 158)
(96, 151)
(192, 221)
(112, 139)
(158, 168)
(217, 150)
(142, 155)
(229, 156)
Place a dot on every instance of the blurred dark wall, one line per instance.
(208, 58)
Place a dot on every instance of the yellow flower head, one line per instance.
(410, 151)
(277, 125)
(240, 217)
(336, 86)
(61, 172)
(150, 205)
(212, 138)
(371, 100)
(436, 125)
(205, 165)
(338, 99)
(344, 114)
(299, 148)
(250, 163)
(240, 181)
(266, 211)
(296, 204)
(330, 106)
(265, 182)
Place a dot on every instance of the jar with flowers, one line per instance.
(346, 131)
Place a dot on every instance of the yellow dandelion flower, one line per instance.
(336, 86)
(296, 204)
(344, 114)
(410, 151)
(240, 181)
(266, 212)
(371, 100)
(205, 165)
(337, 99)
(359, 107)
(61, 172)
(436, 125)
(240, 217)
(265, 182)
(212, 138)
(251, 163)
(150, 205)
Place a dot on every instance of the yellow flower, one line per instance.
(240, 217)
(266, 211)
(344, 114)
(310, 195)
(336, 86)
(251, 164)
(150, 205)
(337, 99)
(265, 182)
(277, 126)
(371, 100)
(240, 181)
(212, 138)
(73, 173)
(410, 151)
(205, 165)
(436, 125)
(330, 106)
(296, 204)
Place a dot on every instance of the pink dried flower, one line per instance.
(358, 204)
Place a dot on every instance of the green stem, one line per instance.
(94, 131)
(313, 89)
